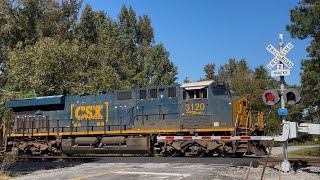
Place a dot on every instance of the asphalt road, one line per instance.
(132, 168)
(31, 166)
(142, 168)
(203, 160)
(146, 168)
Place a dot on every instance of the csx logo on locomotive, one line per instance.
(91, 112)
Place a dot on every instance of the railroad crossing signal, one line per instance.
(280, 71)
(291, 96)
(270, 97)
(280, 57)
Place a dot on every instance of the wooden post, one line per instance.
(265, 164)
(249, 171)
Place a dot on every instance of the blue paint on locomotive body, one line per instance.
(141, 108)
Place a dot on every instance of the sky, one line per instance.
(213, 31)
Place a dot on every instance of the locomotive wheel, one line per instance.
(196, 150)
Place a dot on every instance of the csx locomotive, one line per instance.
(129, 121)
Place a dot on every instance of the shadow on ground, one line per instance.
(26, 167)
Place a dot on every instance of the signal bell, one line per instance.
(270, 97)
(291, 96)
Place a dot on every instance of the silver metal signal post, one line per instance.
(285, 165)
(279, 57)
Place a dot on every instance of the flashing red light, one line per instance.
(270, 96)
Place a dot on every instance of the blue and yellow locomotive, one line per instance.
(129, 121)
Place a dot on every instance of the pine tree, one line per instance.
(305, 20)
(145, 34)
(86, 30)
(209, 70)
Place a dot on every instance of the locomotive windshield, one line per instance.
(195, 93)
(196, 90)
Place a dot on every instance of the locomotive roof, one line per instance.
(197, 85)
(37, 101)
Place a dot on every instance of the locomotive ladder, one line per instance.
(243, 145)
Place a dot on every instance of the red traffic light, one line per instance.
(270, 97)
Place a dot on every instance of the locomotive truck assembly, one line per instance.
(132, 121)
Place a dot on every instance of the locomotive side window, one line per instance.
(172, 92)
(191, 94)
(197, 93)
(124, 95)
(143, 94)
(153, 93)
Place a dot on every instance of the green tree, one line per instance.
(145, 34)
(209, 70)
(164, 71)
(305, 20)
(245, 82)
(46, 68)
(39, 33)
(127, 31)
(86, 30)
(227, 71)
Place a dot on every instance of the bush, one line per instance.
(8, 159)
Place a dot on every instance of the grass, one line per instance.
(313, 152)
(7, 160)
(307, 143)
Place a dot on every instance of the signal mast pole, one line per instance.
(285, 165)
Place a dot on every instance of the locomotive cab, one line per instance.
(206, 104)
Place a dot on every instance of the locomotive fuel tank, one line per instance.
(86, 141)
(117, 140)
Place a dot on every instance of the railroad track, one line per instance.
(57, 158)
(293, 161)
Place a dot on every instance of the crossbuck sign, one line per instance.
(280, 57)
